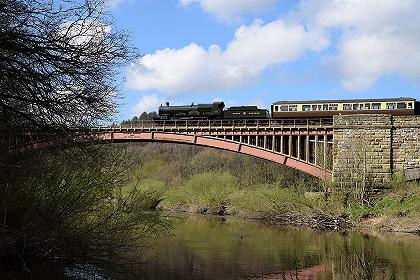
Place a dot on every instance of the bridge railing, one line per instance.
(227, 123)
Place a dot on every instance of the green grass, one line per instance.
(267, 199)
(210, 190)
(401, 201)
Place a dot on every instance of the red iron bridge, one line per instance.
(302, 144)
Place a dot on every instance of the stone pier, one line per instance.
(369, 149)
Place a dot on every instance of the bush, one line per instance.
(68, 203)
(266, 200)
(205, 192)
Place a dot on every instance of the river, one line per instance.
(208, 247)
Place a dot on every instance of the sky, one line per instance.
(256, 52)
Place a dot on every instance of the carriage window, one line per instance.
(314, 107)
(276, 108)
(306, 107)
(367, 106)
(376, 106)
(355, 106)
(347, 107)
(391, 106)
(401, 105)
(284, 108)
(410, 105)
(319, 107)
(333, 107)
(325, 107)
(293, 108)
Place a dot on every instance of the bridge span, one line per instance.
(361, 150)
(302, 144)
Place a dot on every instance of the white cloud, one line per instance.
(147, 103)
(115, 3)
(85, 33)
(376, 38)
(363, 40)
(228, 10)
(253, 49)
(364, 58)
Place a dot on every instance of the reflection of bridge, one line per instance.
(302, 144)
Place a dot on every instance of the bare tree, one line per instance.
(58, 63)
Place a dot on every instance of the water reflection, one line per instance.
(217, 248)
(205, 247)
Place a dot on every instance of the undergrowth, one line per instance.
(201, 180)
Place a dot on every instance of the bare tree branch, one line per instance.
(59, 62)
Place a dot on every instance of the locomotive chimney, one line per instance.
(167, 103)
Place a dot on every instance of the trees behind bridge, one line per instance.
(143, 116)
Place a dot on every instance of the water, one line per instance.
(217, 248)
(204, 247)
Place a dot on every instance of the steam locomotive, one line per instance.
(211, 111)
(293, 109)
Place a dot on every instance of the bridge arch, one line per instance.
(218, 143)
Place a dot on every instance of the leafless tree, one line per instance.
(59, 61)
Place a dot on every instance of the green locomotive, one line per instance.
(210, 111)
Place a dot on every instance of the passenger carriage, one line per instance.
(329, 108)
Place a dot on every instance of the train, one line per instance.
(292, 109)
(211, 111)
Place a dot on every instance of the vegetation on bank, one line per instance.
(68, 203)
(202, 180)
(397, 209)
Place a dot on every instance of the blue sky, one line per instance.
(260, 51)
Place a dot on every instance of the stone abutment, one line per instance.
(370, 149)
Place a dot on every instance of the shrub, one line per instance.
(205, 192)
(68, 203)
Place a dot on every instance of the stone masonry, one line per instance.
(370, 148)
(406, 142)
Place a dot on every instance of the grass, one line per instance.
(213, 192)
(267, 199)
(401, 201)
(205, 192)
(200, 180)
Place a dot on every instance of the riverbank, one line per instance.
(191, 179)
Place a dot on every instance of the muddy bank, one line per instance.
(309, 273)
(390, 224)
